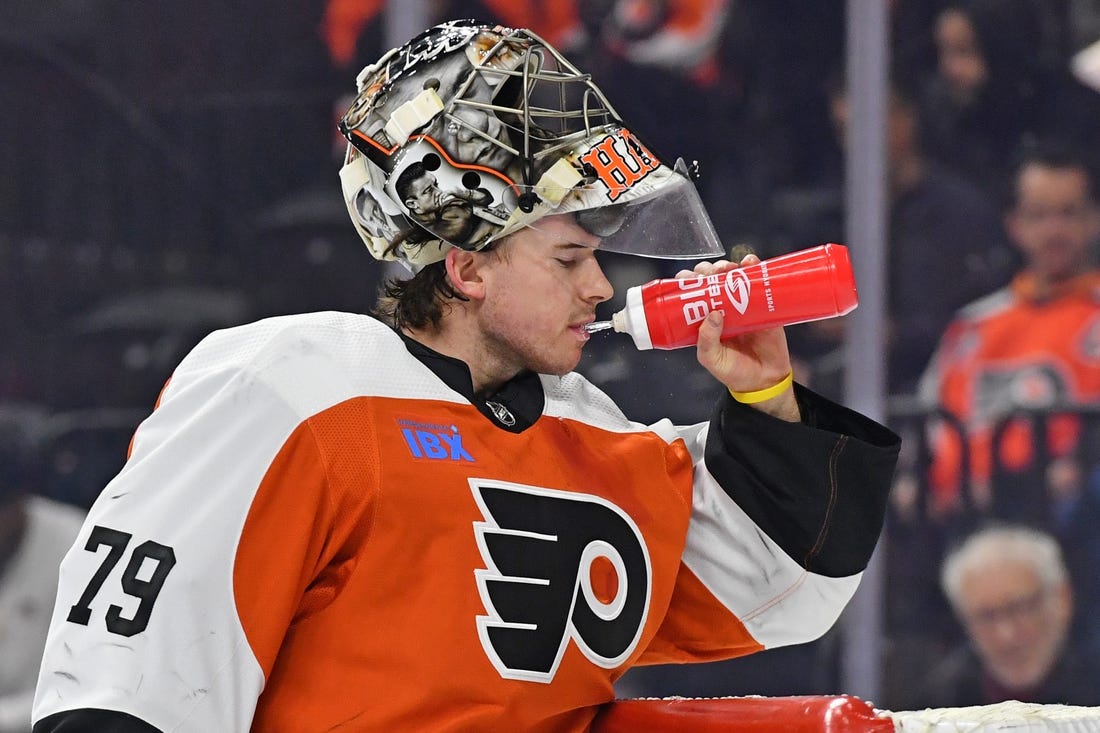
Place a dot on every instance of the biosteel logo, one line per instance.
(701, 295)
(737, 290)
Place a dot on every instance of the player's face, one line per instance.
(1054, 222)
(540, 289)
(1018, 625)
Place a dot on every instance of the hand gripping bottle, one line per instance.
(808, 285)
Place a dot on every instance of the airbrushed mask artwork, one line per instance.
(470, 132)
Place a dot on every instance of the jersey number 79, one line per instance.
(145, 589)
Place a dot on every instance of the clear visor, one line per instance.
(668, 223)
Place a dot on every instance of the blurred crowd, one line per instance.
(170, 168)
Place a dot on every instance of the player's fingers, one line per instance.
(709, 350)
(710, 268)
(704, 268)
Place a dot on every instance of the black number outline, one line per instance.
(146, 591)
(81, 613)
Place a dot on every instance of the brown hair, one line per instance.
(419, 301)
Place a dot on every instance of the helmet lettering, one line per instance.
(620, 161)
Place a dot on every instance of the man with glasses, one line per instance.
(1010, 590)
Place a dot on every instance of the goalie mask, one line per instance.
(468, 133)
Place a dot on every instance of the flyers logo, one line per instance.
(620, 161)
(544, 551)
(737, 287)
(1001, 390)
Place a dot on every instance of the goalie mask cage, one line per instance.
(833, 714)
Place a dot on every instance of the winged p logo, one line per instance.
(540, 547)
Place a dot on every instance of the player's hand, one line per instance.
(747, 362)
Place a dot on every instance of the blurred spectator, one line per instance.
(943, 231)
(1010, 591)
(34, 535)
(1002, 80)
(1033, 345)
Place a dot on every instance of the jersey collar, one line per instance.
(514, 407)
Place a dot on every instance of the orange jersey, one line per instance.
(1010, 351)
(315, 531)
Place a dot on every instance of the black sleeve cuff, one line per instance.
(90, 720)
(817, 488)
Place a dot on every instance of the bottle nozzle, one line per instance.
(597, 326)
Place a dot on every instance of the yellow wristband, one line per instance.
(767, 393)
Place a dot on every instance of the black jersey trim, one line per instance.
(93, 720)
(817, 488)
(521, 397)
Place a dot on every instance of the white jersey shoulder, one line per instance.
(315, 360)
(574, 396)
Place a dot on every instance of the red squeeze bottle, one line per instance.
(808, 285)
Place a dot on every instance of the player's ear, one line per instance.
(464, 272)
